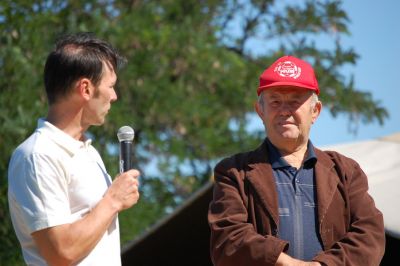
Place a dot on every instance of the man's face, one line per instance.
(287, 114)
(103, 95)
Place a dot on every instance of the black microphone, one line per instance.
(125, 136)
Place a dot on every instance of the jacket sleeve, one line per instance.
(234, 240)
(363, 243)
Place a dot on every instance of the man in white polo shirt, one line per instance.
(63, 204)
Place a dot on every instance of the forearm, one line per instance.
(362, 241)
(244, 246)
(234, 240)
(84, 234)
(356, 247)
(69, 243)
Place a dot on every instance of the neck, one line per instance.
(67, 117)
(296, 159)
(293, 153)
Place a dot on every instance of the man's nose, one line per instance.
(114, 96)
(285, 108)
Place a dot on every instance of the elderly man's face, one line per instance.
(288, 114)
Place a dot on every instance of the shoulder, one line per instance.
(27, 147)
(334, 156)
(244, 160)
(37, 143)
(38, 153)
(237, 160)
(340, 162)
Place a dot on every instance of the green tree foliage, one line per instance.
(188, 88)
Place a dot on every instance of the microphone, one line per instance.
(125, 136)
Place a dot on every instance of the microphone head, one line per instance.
(125, 133)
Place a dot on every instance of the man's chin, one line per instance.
(99, 123)
(284, 137)
(289, 134)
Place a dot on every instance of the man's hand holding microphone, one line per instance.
(124, 191)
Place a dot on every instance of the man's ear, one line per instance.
(258, 108)
(316, 111)
(84, 88)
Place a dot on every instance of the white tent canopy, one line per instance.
(380, 160)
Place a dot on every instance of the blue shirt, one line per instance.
(298, 219)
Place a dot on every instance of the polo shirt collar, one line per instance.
(64, 140)
(277, 161)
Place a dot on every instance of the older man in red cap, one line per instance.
(287, 202)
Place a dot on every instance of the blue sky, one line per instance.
(375, 36)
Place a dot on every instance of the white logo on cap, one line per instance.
(288, 69)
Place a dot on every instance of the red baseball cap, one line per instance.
(288, 71)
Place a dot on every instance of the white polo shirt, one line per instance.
(53, 180)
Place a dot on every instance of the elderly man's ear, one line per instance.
(258, 109)
(316, 111)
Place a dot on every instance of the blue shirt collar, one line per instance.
(277, 161)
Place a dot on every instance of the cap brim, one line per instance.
(286, 84)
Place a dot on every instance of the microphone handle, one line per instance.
(125, 159)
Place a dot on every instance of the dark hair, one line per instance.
(76, 56)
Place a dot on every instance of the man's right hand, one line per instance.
(124, 191)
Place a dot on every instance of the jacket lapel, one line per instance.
(326, 181)
(262, 180)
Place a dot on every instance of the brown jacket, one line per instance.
(244, 220)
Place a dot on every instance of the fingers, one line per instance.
(125, 189)
(134, 197)
(130, 182)
(133, 172)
